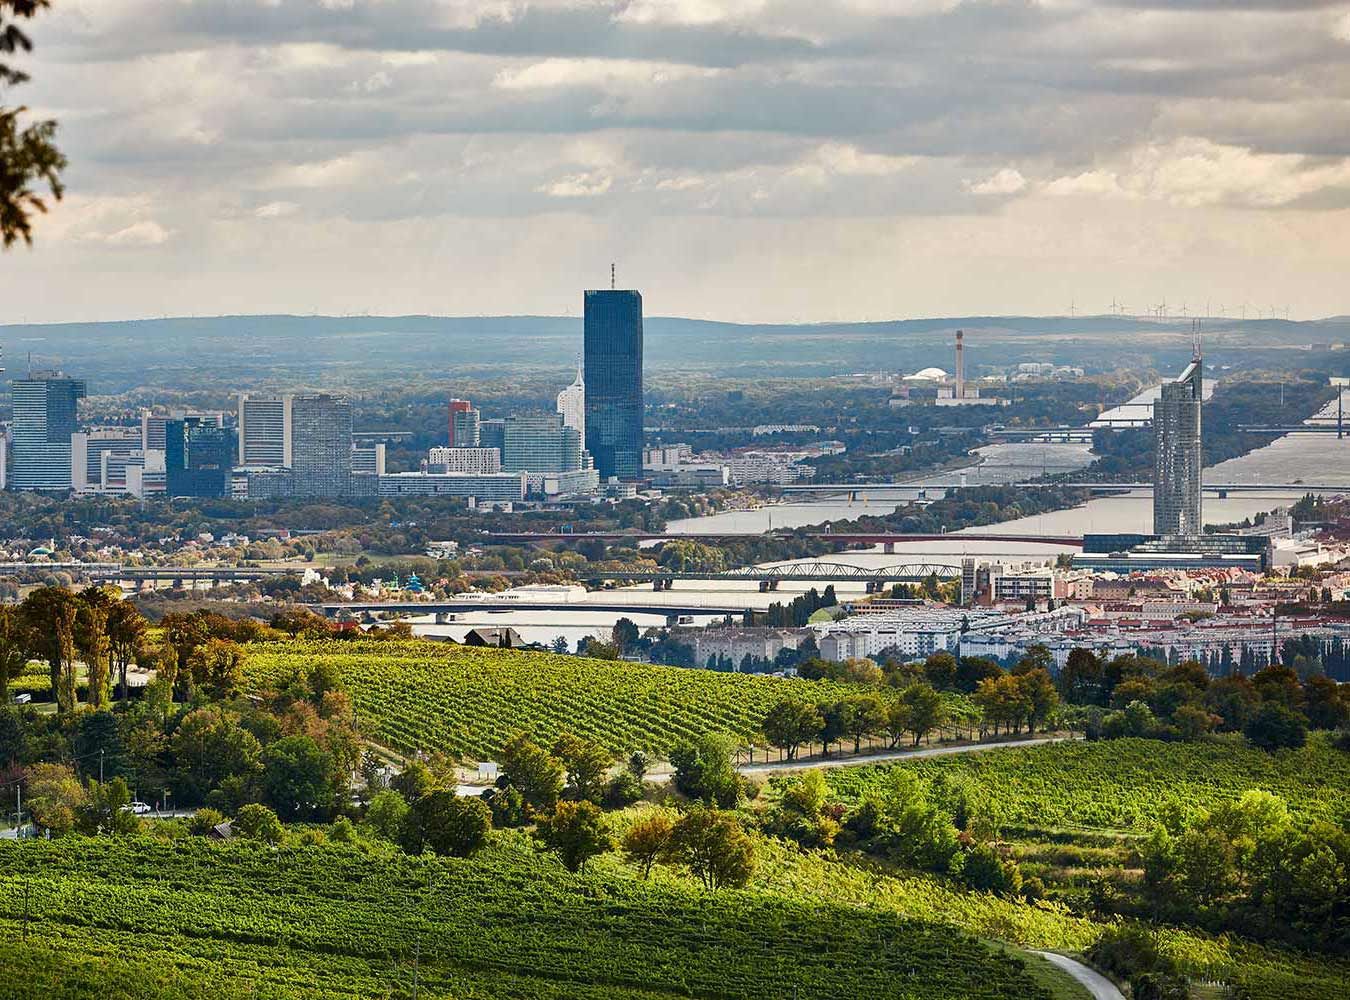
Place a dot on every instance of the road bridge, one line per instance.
(769, 577)
(885, 538)
(671, 609)
(857, 489)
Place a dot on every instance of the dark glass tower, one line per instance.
(613, 374)
(198, 456)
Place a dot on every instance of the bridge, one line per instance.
(1339, 431)
(856, 489)
(117, 572)
(888, 539)
(672, 610)
(769, 577)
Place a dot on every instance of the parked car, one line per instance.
(138, 807)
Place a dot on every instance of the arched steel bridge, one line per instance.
(769, 577)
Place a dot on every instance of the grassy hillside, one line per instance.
(430, 696)
(147, 919)
(1122, 784)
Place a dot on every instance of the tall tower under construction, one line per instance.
(1176, 475)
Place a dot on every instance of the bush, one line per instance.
(446, 824)
(203, 821)
(257, 822)
(1277, 727)
(507, 805)
(385, 814)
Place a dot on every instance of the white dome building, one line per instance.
(928, 375)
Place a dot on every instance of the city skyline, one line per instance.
(844, 160)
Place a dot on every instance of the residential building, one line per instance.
(45, 407)
(1176, 475)
(265, 428)
(613, 373)
(464, 424)
(473, 461)
(321, 446)
(735, 644)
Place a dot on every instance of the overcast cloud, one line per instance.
(740, 159)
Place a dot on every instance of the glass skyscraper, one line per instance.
(198, 456)
(1176, 474)
(44, 419)
(613, 379)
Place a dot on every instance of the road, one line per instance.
(890, 755)
(1098, 985)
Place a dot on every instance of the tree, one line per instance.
(533, 770)
(107, 809)
(385, 814)
(28, 158)
(1324, 704)
(1082, 681)
(792, 722)
(256, 822)
(1276, 726)
(98, 741)
(446, 824)
(1036, 657)
(940, 669)
(714, 847)
(1040, 694)
(863, 715)
(298, 778)
(586, 763)
(126, 636)
(91, 638)
(218, 666)
(648, 841)
(50, 614)
(15, 644)
(624, 636)
(54, 795)
(210, 746)
(705, 769)
(897, 721)
(927, 711)
(577, 832)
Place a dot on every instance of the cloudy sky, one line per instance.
(740, 159)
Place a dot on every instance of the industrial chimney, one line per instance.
(960, 366)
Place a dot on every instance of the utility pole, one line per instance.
(100, 750)
(417, 955)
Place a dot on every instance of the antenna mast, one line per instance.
(612, 282)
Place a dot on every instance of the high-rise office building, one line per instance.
(45, 406)
(540, 443)
(368, 459)
(463, 424)
(1176, 476)
(492, 434)
(266, 431)
(613, 370)
(198, 456)
(321, 446)
(572, 404)
(476, 461)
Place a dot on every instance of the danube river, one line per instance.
(1322, 458)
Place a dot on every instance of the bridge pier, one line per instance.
(889, 548)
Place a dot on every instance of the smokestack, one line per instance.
(960, 365)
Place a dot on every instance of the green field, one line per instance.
(148, 919)
(462, 700)
(1122, 784)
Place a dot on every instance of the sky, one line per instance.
(745, 160)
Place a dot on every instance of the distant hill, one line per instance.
(363, 349)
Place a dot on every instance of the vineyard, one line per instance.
(1265, 973)
(468, 701)
(150, 919)
(1123, 784)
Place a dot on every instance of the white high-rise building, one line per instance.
(572, 405)
(265, 432)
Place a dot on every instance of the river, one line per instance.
(1312, 457)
